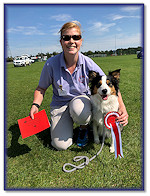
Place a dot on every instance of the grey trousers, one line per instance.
(62, 119)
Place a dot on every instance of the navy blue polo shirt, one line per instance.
(66, 86)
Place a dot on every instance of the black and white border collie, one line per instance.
(104, 99)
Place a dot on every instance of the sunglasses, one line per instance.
(68, 37)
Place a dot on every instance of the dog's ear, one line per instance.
(115, 74)
(92, 75)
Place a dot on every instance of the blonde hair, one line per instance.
(69, 25)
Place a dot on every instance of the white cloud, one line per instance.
(54, 29)
(61, 17)
(31, 30)
(54, 32)
(119, 17)
(130, 8)
(100, 27)
(118, 29)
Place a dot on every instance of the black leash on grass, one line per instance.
(79, 158)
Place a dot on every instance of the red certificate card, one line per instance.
(30, 127)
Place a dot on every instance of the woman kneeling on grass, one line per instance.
(68, 74)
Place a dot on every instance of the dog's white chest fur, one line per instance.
(100, 108)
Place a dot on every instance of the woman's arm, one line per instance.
(38, 98)
(123, 118)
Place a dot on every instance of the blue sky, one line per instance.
(34, 28)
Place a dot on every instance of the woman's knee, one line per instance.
(61, 144)
(80, 110)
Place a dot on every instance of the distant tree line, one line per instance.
(120, 51)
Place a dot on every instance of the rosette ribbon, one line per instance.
(110, 123)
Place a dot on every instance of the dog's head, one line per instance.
(104, 85)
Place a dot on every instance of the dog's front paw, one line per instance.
(112, 149)
(96, 140)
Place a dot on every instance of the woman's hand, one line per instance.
(123, 118)
(33, 111)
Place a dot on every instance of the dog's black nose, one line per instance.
(104, 91)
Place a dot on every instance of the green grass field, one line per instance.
(33, 164)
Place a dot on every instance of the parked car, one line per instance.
(31, 60)
(21, 61)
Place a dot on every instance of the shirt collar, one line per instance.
(63, 64)
(80, 60)
(62, 60)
